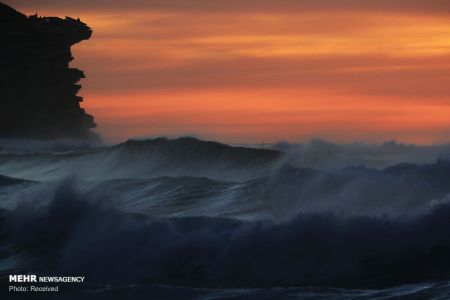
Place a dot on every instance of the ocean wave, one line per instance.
(8, 181)
(79, 236)
(145, 159)
(404, 189)
(394, 191)
(184, 196)
(160, 212)
(319, 154)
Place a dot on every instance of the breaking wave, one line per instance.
(81, 236)
(394, 191)
(192, 217)
(319, 154)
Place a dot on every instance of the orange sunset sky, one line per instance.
(253, 71)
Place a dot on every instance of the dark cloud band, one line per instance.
(413, 6)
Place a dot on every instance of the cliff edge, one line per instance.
(38, 90)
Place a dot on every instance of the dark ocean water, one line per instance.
(186, 219)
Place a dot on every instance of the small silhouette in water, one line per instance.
(38, 90)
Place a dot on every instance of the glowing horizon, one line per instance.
(264, 73)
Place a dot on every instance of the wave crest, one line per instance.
(323, 249)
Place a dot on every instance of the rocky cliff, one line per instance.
(38, 89)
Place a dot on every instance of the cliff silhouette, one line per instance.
(38, 89)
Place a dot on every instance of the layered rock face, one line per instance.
(38, 90)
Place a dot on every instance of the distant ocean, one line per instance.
(189, 219)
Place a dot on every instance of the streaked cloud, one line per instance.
(419, 6)
(265, 70)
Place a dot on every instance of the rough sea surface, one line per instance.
(187, 219)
